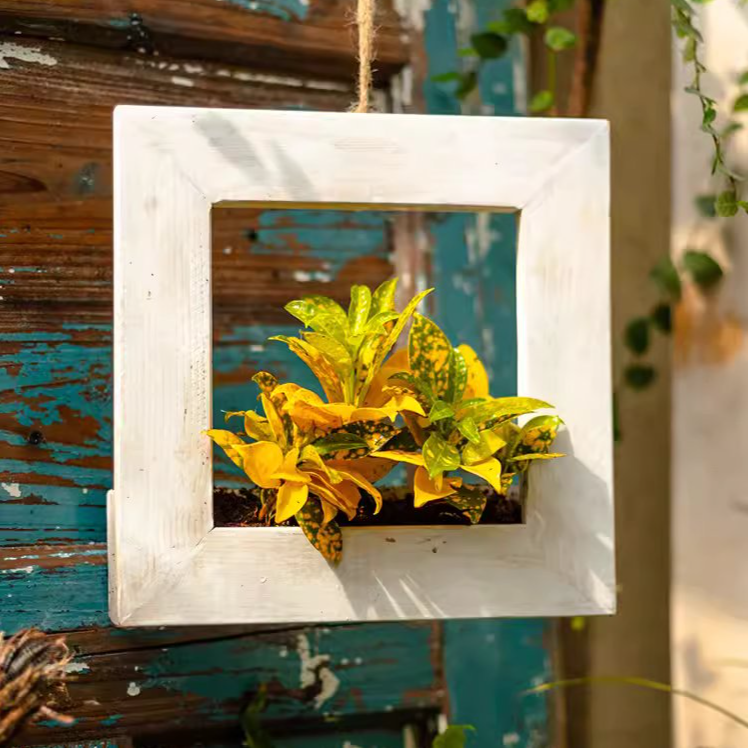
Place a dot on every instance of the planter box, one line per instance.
(168, 563)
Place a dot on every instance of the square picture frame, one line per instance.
(168, 563)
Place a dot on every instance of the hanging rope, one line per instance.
(365, 24)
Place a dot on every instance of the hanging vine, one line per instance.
(544, 19)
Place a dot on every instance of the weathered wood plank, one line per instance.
(311, 38)
(312, 675)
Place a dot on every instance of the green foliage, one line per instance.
(489, 45)
(662, 318)
(705, 204)
(703, 269)
(640, 376)
(255, 735)
(455, 736)
(636, 335)
(559, 39)
(542, 101)
(666, 278)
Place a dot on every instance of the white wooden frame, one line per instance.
(168, 563)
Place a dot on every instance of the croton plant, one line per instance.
(427, 405)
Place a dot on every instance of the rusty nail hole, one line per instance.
(251, 235)
(35, 437)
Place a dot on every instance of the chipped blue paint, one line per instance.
(111, 720)
(287, 10)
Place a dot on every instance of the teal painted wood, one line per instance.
(488, 664)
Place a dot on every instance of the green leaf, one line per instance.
(513, 21)
(682, 5)
(336, 353)
(358, 311)
(468, 83)
(636, 335)
(662, 318)
(327, 539)
(455, 736)
(541, 102)
(489, 45)
(458, 376)
(440, 410)
(466, 52)
(689, 50)
(558, 6)
(383, 299)
(439, 456)
(537, 11)
(255, 735)
(704, 270)
(468, 428)
(504, 408)
(743, 79)
(639, 376)
(536, 436)
(339, 441)
(709, 115)
(722, 168)
(705, 205)
(741, 103)
(449, 77)
(536, 456)
(665, 275)
(470, 501)
(309, 307)
(731, 128)
(559, 39)
(430, 354)
(726, 204)
(490, 442)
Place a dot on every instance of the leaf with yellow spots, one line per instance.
(311, 309)
(261, 460)
(458, 376)
(471, 501)
(477, 378)
(275, 421)
(371, 468)
(397, 362)
(501, 409)
(537, 435)
(339, 441)
(536, 456)
(358, 310)
(318, 363)
(326, 537)
(355, 477)
(425, 489)
(343, 496)
(255, 426)
(228, 441)
(429, 354)
(383, 299)
(291, 499)
(288, 471)
(439, 456)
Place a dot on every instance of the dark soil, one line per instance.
(241, 508)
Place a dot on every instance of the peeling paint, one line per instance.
(315, 670)
(133, 689)
(178, 80)
(77, 667)
(12, 489)
(15, 51)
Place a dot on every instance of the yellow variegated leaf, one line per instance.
(490, 471)
(257, 427)
(426, 490)
(370, 468)
(291, 498)
(383, 299)
(227, 441)
(260, 461)
(329, 512)
(372, 414)
(412, 458)
(490, 443)
(274, 420)
(343, 498)
(289, 471)
(325, 537)
(266, 381)
(477, 381)
(318, 363)
(391, 339)
(357, 478)
(537, 434)
(402, 401)
(536, 456)
(396, 363)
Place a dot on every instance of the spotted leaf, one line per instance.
(439, 456)
(470, 501)
(383, 299)
(477, 378)
(358, 311)
(429, 354)
(318, 363)
(327, 537)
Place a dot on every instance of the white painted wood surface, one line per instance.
(168, 564)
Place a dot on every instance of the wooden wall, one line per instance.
(63, 67)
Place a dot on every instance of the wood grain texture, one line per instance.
(314, 38)
(196, 681)
(557, 172)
